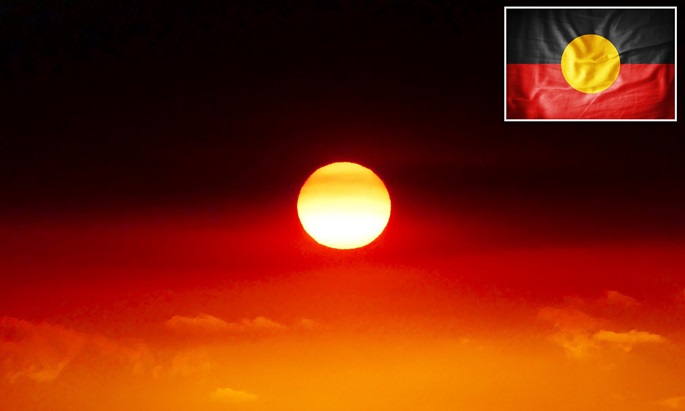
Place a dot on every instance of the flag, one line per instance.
(568, 63)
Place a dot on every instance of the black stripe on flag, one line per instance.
(641, 36)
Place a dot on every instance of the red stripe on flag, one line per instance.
(641, 91)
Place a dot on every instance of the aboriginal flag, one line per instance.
(590, 63)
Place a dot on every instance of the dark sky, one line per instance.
(156, 100)
(118, 107)
(150, 101)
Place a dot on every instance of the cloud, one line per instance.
(232, 397)
(199, 322)
(261, 323)
(205, 323)
(580, 334)
(569, 318)
(627, 340)
(616, 298)
(307, 324)
(576, 345)
(190, 363)
(39, 352)
(676, 403)
(573, 330)
(42, 351)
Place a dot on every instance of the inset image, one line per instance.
(590, 64)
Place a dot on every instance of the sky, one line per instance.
(151, 257)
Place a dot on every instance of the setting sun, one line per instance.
(344, 205)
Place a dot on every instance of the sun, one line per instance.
(344, 205)
(590, 63)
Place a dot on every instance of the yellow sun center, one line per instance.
(590, 63)
(344, 205)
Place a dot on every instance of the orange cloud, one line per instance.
(261, 323)
(576, 345)
(676, 403)
(230, 396)
(307, 323)
(190, 363)
(580, 333)
(627, 340)
(41, 351)
(199, 322)
(616, 298)
(205, 323)
(573, 330)
(569, 318)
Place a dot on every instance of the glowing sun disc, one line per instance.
(344, 205)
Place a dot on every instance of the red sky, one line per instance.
(151, 256)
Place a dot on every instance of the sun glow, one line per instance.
(344, 205)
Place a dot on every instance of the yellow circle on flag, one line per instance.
(590, 63)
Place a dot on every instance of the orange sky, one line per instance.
(181, 324)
